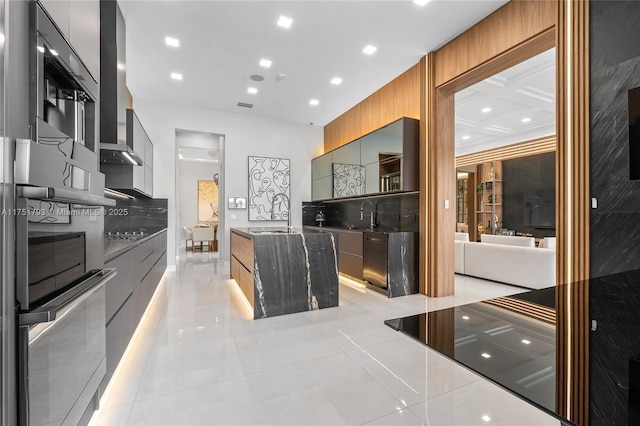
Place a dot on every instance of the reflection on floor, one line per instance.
(199, 360)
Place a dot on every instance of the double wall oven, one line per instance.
(59, 208)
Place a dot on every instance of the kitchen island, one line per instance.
(282, 272)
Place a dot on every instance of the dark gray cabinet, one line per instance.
(79, 22)
(385, 160)
(128, 294)
(350, 253)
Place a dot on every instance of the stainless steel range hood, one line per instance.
(117, 153)
(115, 148)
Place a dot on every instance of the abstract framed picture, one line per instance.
(207, 201)
(269, 188)
(348, 180)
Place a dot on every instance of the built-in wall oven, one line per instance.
(59, 208)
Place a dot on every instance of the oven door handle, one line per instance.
(63, 195)
(38, 315)
(65, 302)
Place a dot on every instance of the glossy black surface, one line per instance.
(398, 212)
(512, 350)
(137, 215)
(615, 69)
(595, 322)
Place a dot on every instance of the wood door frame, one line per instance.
(565, 26)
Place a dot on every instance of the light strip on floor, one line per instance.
(243, 298)
(351, 283)
(132, 343)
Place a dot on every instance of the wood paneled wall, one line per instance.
(517, 150)
(399, 98)
(573, 204)
(499, 32)
(515, 32)
(572, 174)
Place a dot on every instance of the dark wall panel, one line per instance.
(615, 224)
(520, 175)
(615, 68)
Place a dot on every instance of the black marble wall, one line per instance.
(399, 212)
(520, 175)
(137, 215)
(615, 224)
(614, 303)
(294, 273)
(615, 68)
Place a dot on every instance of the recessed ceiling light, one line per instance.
(314, 102)
(284, 21)
(526, 120)
(466, 137)
(465, 317)
(486, 355)
(486, 418)
(53, 52)
(176, 76)
(525, 341)
(369, 49)
(173, 42)
(336, 80)
(252, 90)
(265, 63)
(486, 110)
(421, 2)
(40, 49)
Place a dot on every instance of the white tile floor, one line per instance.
(199, 360)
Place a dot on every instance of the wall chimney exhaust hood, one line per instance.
(117, 153)
(114, 146)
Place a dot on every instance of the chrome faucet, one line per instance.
(372, 215)
(273, 203)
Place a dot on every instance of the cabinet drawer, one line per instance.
(242, 249)
(351, 242)
(119, 332)
(246, 283)
(120, 287)
(350, 264)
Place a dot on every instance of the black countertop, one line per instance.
(115, 248)
(571, 345)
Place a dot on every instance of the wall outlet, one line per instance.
(233, 216)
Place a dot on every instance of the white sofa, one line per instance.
(460, 239)
(508, 259)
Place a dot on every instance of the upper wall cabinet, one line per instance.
(384, 160)
(79, 22)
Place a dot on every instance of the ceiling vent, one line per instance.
(245, 105)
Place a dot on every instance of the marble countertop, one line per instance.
(252, 232)
(336, 228)
(115, 248)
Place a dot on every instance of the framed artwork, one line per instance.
(269, 188)
(348, 180)
(237, 202)
(207, 201)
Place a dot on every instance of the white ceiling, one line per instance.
(222, 42)
(526, 90)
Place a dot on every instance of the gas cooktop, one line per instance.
(126, 235)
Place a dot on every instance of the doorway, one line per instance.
(505, 129)
(199, 193)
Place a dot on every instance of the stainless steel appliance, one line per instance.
(63, 94)
(59, 225)
(374, 258)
